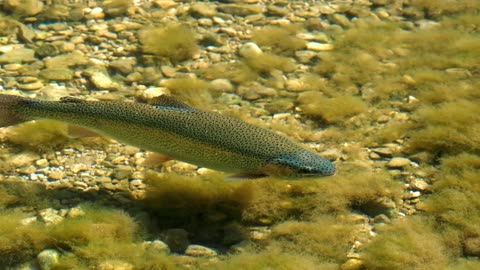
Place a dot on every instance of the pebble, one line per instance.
(168, 71)
(30, 86)
(305, 56)
(16, 55)
(413, 194)
(75, 212)
(249, 50)
(383, 151)
(259, 233)
(255, 90)
(50, 216)
(201, 9)
(222, 85)
(152, 92)
(48, 259)
(157, 245)
(28, 220)
(23, 159)
(114, 265)
(124, 66)
(96, 13)
(122, 172)
(102, 81)
(398, 162)
(319, 47)
(57, 74)
(200, 251)
(56, 175)
(419, 184)
(352, 264)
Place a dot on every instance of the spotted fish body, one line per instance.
(180, 132)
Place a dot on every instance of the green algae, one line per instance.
(327, 239)
(18, 194)
(445, 7)
(406, 244)
(280, 39)
(271, 258)
(445, 233)
(455, 203)
(38, 134)
(332, 109)
(101, 234)
(267, 62)
(195, 92)
(116, 7)
(447, 128)
(174, 42)
(237, 72)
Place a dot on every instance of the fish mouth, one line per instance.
(331, 173)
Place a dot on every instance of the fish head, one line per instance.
(304, 164)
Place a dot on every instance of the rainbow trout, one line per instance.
(172, 128)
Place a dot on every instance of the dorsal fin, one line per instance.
(169, 102)
(72, 100)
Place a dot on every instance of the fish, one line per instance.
(179, 131)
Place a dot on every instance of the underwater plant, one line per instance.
(39, 133)
(446, 128)
(280, 39)
(445, 7)
(332, 109)
(175, 42)
(409, 243)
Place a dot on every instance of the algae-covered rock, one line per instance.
(176, 239)
(116, 7)
(47, 49)
(23, 8)
(157, 246)
(200, 251)
(175, 42)
(201, 9)
(124, 66)
(48, 259)
(330, 109)
(101, 80)
(74, 58)
(406, 244)
(15, 54)
(398, 162)
(114, 265)
(57, 74)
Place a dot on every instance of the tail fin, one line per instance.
(8, 115)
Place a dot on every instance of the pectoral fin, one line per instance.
(75, 131)
(155, 160)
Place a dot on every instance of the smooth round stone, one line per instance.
(221, 84)
(75, 212)
(157, 245)
(200, 251)
(319, 47)
(103, 81)
(249, 50)
(30, 86)
(48, 259)
(398, 162)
